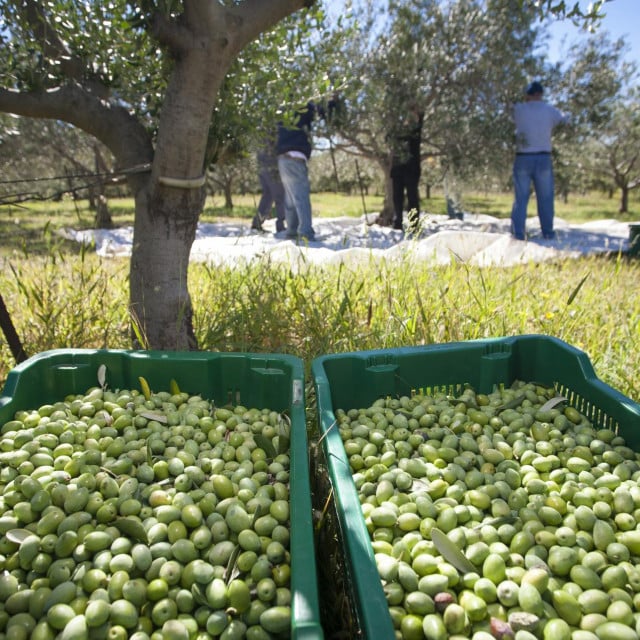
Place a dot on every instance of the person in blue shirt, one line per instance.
(535, 121)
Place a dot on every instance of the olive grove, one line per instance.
(599, 87)
(162, 86)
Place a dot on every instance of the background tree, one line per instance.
(462, 62)
(619, 147)
(46, 159)
(592, 86)
(145, 79)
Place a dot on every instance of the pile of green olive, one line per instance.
(127, 514)
(540, 512)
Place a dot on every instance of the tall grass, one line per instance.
(592, 303)
(60, 295)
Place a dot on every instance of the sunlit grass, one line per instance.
(61, 296)
(81, 301)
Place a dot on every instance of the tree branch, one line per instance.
(113, 126)
(171, 34)
(204, 22)
(246, 20)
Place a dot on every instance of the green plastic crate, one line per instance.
(354, 380)
(254, 380)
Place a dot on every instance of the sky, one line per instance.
(622, 20)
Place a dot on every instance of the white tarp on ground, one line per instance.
(477, 239)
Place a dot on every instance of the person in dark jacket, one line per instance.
(293, 148)
(405, 169)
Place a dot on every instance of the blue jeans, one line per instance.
(297, 197)
(536, 168)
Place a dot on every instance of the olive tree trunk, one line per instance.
(385, 217)
(624, 199)
(168, 208)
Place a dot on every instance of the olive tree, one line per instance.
(144, 78)
(462, 62)
(47, 159)
(618, 148)
(593, 86)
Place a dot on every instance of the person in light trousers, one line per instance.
(535, 121)
(272, 195)
(293, 148)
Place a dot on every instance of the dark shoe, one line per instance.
(551, 235)
(397, 227)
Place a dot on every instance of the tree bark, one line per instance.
(164, 231)
(10, 333)
(228, 196)
(385, 218)
(624, 200)
(103, 218)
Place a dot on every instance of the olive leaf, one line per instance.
(198, 595)
(470, 403)
(18, 536)
(512, 404)
(550, 404)
(146, 390)
(132, 528)
(450, 552)
(102, 376)
(419, 485)
(265, 444)
(284, 434)
(152, 415)
(496, 522)
(231, 571)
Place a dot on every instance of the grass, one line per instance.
(590, 206)
(62, 296)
